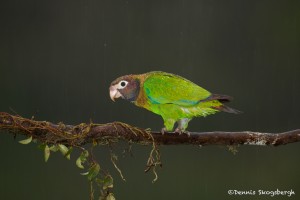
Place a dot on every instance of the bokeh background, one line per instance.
(57, 59)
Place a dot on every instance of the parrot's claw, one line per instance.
(163, 130)
(180, 131)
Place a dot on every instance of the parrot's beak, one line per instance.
(114, 93)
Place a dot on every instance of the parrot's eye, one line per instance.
(122, 84)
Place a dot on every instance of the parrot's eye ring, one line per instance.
(122, 84)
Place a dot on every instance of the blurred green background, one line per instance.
(57, 59)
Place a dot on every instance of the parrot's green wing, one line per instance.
(165, 88)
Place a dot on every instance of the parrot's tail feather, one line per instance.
(227, 109)
(221, 97)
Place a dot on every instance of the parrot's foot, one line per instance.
(163, 130)
(180, 131)
(182, 125)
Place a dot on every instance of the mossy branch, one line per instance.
(102, 134)
(54, 137)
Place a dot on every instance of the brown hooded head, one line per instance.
(126, 87)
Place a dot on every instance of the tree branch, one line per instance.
(78, 135)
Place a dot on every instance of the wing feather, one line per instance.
(166, 88)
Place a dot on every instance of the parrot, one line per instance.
(171, 96)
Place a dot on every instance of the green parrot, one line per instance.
(173, 97)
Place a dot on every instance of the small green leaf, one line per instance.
(46, 153)
(93, 171)
(65, 151)
(85, 153)
(108, 182)
(26, 141)
(68, 154)
(81, 159)
(110, 196)
(54, 148)
(79, 163)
